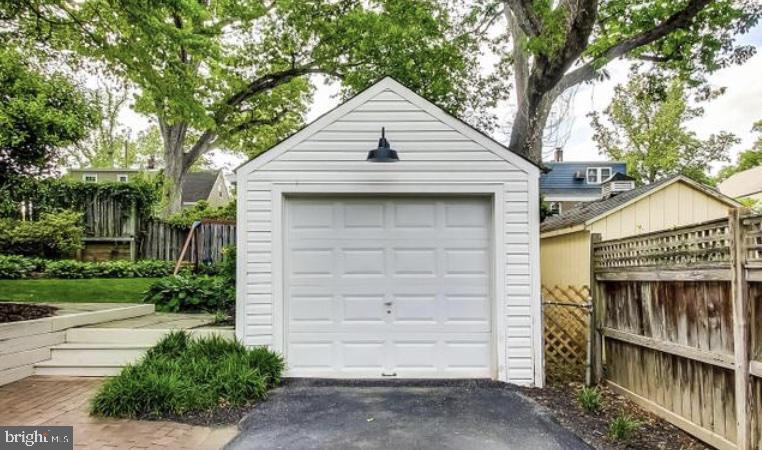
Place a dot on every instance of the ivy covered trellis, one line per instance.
(34, 197)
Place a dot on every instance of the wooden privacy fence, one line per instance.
(678, 316)
(163, 240)
(566, 327)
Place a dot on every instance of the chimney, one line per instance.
(558, 155)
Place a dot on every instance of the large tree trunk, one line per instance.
(175, 167)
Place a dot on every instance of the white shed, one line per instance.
(423, 268)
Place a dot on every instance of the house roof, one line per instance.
(741, 184)
(587, 212)
(619, 176)
(560, 178)
(389, 83)
(198, 185)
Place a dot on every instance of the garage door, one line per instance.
(388, 287)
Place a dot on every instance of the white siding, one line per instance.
(431, 151)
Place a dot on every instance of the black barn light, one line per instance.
(384, 152)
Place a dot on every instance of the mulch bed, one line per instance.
(16, 312)
(229, 415)
(654, 433)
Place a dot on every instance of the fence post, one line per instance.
(595, 370)
(740, 329)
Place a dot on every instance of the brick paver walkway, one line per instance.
(65, 401)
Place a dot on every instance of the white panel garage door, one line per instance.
(395, 287)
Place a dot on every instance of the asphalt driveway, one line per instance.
(418, 415)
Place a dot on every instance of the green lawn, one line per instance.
(93, 290)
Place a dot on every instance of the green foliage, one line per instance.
(39, 115)
(13, 267)
(74, 269)
(228, 264)
(704, 45)
(623, 426)
(182, 376)
(111, 144)
(645, 127)
(202, 210)
(51, 194)
(747, 159)
(191, 294)
(55, 234)
(237, 74)
(590, 399)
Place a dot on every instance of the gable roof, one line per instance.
(388, 83)
(741, 184)
(591, 211)
(198, 185)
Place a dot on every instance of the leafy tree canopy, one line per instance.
(645, 126)
(747, 158)
(39, 115)
(557, 45)
(234, 73)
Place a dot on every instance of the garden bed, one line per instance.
(593, 428)
(16, 312)
(208, 380)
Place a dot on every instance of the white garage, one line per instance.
(424, 266)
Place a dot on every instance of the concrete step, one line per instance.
(99, 354)
(138, 336)
(90, 370)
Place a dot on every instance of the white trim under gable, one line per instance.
(391, 84)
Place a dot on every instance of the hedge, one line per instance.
(15, 267)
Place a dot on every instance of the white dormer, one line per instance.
(616, 184)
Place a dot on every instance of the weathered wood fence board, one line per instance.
(162, 240)
(679, 313)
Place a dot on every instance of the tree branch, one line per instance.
(679, 20)
(527, 20)
(255, 121)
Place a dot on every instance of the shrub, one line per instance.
(622, 427)
(190, 293)
(590, 399)
(108, 269)
(202, 210)
(15, 267)
(56, 234)
(182, 376)
(228, 264)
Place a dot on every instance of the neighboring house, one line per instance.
(103, 174)
(568, 183)
(744, 184)
(421, 268)
(208, 185)
(665, 204)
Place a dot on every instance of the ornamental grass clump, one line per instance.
(590, 399)
(183, 376)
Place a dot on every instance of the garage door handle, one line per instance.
(384, 374)
(388, 303)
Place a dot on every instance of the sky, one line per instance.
(734, 112)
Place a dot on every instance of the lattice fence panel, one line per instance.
(702, 245)
(566, 316)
